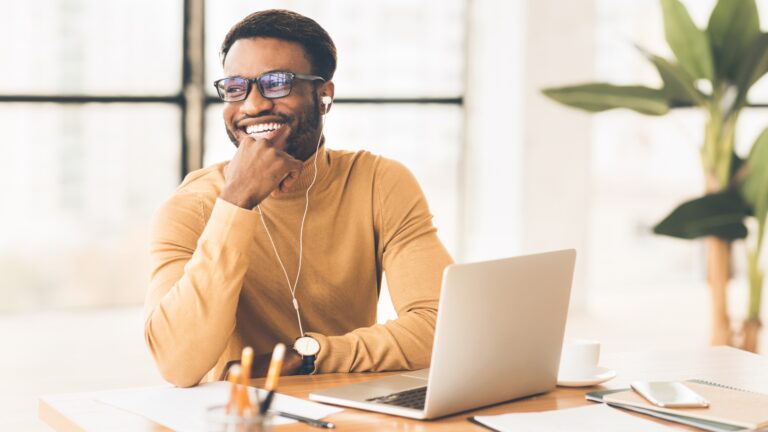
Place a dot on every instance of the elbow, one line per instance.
(171, 365)
(173, 376)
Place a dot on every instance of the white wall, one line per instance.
(527, 176)
(494, 124)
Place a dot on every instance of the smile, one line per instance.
(263, 127)
(268, 131)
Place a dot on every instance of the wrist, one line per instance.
(307, 348)
(237, 199)
(292, 363)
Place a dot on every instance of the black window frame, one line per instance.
(192, 99)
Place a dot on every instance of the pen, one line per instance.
(307, 420)
(275, 365)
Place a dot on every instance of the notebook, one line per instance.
(727, 405)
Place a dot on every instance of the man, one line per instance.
(289, 239)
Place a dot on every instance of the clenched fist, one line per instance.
(256, 171)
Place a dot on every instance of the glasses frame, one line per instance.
(255, 81)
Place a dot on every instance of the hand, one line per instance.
(291, 364)
(256, 171)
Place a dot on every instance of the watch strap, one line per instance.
(307, 365)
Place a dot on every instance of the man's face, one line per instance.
(296, 116)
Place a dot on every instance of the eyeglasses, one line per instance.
(271, 85)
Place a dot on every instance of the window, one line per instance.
(90, 140)
(92, 121)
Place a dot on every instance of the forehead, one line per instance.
(254, 56)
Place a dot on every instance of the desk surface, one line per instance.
(78, 412)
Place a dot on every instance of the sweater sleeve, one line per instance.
(197, 272)
(413, 259)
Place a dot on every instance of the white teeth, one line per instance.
(263, 127)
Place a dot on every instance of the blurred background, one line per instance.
(101, 115)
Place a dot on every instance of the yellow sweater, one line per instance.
(216, 284)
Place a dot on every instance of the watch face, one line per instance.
(306, 346)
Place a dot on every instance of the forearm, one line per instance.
(192, 302)
(404, 343)
(188, 330)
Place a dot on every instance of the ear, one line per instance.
(327, 89)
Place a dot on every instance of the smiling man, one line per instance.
(287, 242)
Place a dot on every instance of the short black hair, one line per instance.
(289, 26)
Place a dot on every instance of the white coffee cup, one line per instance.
(579, 358)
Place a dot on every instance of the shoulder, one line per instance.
(391, 183)
(193, 200)
(205, 181)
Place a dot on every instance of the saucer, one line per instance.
(601, 374)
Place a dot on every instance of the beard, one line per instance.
(302, 141)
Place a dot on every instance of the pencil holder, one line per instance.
(218, 420)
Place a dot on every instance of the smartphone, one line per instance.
(669, 394)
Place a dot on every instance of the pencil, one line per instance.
(244, 402)
(273, 375)
(233, 377)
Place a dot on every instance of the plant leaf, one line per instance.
(601, 97)
(688, 42)
(720, 214)
(754, 190)
(732, 27)
(678, 85)
(754, 64)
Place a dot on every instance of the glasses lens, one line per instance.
(232, 89)
(275, 84)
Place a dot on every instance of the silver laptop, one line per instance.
(498, 337)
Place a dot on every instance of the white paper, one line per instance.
(183, 409)
(587, 419)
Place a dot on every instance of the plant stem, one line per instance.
(709, 152)
(718, 275)
(725, 150)
(756, 277)
(719, 137)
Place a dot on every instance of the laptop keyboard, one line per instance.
(410, 398)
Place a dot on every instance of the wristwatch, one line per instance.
(307, 347)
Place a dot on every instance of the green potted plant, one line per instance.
(713, 70)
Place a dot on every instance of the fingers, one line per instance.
(289, 180)
(248, 140)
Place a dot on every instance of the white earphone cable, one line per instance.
(292, 287)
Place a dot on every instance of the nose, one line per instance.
(255, 103)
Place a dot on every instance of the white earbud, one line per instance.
(326, 101)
